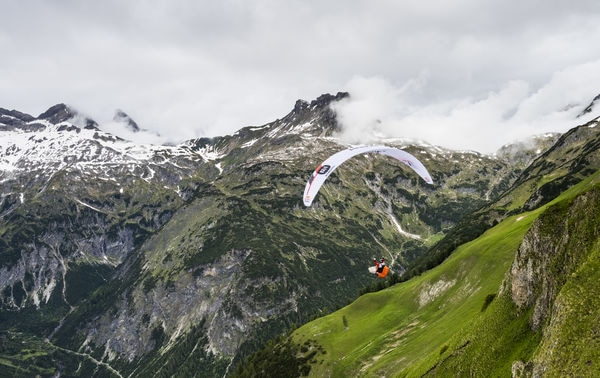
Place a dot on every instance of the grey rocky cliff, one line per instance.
(169, 308)
(550, 252)
(548, 266)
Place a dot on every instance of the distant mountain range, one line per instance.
(125, 259)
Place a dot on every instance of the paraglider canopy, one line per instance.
(327, 167)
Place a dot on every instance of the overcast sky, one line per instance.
(467, 74)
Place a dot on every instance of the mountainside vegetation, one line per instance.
(124, 260)
(519, 299)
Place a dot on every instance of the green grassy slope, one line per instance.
(556, 333)
(409, 325)
(451, 319)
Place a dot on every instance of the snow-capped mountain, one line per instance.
(53, 142)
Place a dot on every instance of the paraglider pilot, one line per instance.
(380, 268)
(379, 264)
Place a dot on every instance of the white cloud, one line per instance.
(378, 110)
(188, 68)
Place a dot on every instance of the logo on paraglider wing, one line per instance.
(323, 169)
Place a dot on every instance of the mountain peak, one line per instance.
(63, 113)
(317, 113)
(326, 99)
(322, 101)
(16, 115)
(13, 118)
(58, 113)
(122, 117)
(590, 107)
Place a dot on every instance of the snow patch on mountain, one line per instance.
(210, 153)
(42, 145)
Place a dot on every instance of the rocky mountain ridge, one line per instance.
(126, 253)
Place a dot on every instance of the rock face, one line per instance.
(57, 114)
(554, 274)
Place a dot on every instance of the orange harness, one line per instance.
(384, 272)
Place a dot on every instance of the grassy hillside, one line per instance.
(553, 329)
(407, 325)
(451, 319)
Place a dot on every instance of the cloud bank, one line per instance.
(377, 110)
(445, 70)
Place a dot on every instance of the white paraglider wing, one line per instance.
(326, 168)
